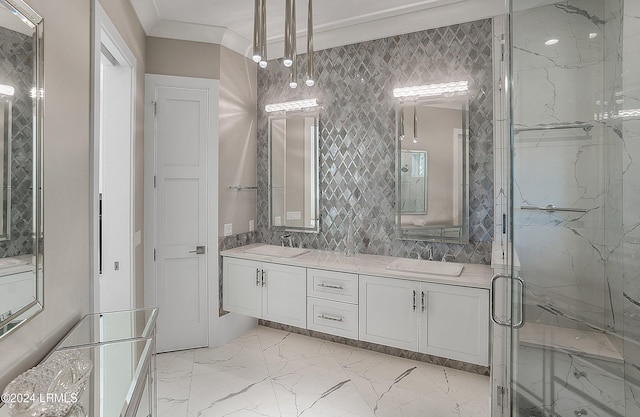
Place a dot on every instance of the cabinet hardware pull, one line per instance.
(257, 277)
(263, 278)
(335, 287)
(422, 301)
(414, 300)
(322, 316)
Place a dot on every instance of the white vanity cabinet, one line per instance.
(443, 320)
(265, 290)
(360, 298)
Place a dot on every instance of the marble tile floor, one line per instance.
(273, 373)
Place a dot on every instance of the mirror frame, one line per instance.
(32, 19)
(316, 177)
(436, 233)
(7, 120)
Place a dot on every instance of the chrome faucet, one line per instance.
(430, 253)
(444, 257)
(286, 238)
(417, 252)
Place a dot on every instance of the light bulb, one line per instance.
(310, 82)
(257, 58)
(287, 62)
(401, 137)
(293, 84)
(263, 64)
(415, 140)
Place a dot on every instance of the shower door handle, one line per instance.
(495, 318)
(521, 320)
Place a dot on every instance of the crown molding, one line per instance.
(391, 22)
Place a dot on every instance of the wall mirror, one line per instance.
(432, 169)
(293, 172)
(21, 96)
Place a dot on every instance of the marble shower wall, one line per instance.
(16, 64)
(629, 114)
(357, 141)
(562, 254)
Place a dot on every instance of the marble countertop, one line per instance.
(473, 275)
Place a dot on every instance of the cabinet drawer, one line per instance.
(332, 317)
(330, 285)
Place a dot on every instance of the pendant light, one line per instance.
(293, 81)
(288, 49)
(263, 33)
(310, 75)
(257, 31)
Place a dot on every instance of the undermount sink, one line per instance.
(277, 251)
(426, 267)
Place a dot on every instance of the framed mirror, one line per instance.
(21, 101)
(293, 172)
(432, 169)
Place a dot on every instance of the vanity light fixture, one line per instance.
(629, 113)
(292, 105)
(430, 89)
(37, 93)
(7, 90)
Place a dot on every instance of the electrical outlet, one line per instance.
(252, 225)
(277, 221)
(228, 229)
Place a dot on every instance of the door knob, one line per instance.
(199, 250)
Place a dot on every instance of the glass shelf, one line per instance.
(100, 328)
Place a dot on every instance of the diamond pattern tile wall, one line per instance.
(357, 142)
(16, 69)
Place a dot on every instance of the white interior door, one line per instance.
(181, 130)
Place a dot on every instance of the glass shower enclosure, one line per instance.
(572, 339)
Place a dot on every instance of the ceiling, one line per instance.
(336, 22)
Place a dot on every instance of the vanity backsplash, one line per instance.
(357, 136)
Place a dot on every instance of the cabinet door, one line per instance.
(389, 312)
(241, 286)
(284, 295)
(455, 322)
